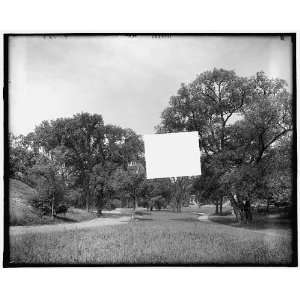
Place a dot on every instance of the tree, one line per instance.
(130, 180)
(181, 188)
(89, 151)
(101, 184)
(256, 140)
(121, 146)
(22, 156)
(232, 150)
(80, 141)
(278, 179)
(83, 137)
(50, 186)
(156, 193)
(206, 105)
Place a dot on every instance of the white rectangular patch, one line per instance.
(172, 155)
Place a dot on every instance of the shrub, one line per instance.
(73, 198)
(109, 206)
(117, 203)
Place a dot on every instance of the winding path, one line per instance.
(16, 230)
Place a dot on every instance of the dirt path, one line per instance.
(202, 217)
(15, 230)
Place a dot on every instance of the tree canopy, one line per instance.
(84, 150)
(240, 122)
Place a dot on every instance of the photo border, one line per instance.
(6, 252)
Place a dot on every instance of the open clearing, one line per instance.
(159, 237)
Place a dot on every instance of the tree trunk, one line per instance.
(87, 199)
(217, 207)
(177, 195)
(268, 204)
(134, 203)
(178, 203)
(174, 207)
(242, 210)
(52, 207)
(87, 204)
(86, 191)
(133, 211)
(100, 202)
(248, 212)
(221, 205)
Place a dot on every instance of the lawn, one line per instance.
(157, 238)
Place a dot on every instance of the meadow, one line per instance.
(159, 237)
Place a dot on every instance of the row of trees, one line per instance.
(80, 161)
(245, 135)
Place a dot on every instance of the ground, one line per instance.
(20, 210)
(161, 237)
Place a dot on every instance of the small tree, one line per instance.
(22, 156)
(181, 191)
(50, 187)
(130, 180)
(156, 193)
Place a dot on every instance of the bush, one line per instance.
(159, 202)
(113, 204)
(73, 198)
(61, 209)
(109, 206)
(117, 203)
(46, 194)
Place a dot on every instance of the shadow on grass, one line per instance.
(258, 222)
(186, 220)
(142, 213)
(143, 219)
(113, 216)
(65, 219)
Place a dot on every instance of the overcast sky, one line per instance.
(127, 80)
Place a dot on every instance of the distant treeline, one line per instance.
(80, 161)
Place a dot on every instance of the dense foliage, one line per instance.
(244, 127)
(245, 136)
(80, 161)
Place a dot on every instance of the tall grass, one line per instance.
(157, 238)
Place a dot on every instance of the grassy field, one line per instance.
(159, 237)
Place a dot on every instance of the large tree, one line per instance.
(81, 138)
(212, 105)
(256, 142)
(88, 151)
(207, 105)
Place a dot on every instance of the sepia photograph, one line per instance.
(150, 150)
